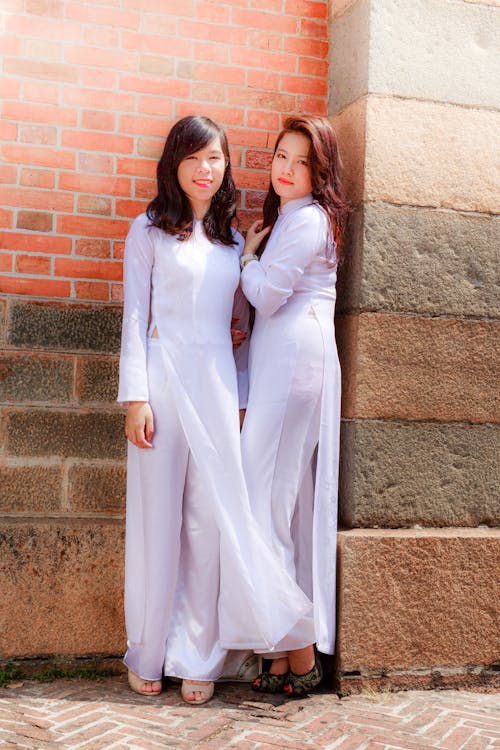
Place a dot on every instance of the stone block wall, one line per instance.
(416, 108)
(62, 480)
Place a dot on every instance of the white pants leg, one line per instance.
(279, 440)
(193, 645)
(155, 487)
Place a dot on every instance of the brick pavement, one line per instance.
(107, 715)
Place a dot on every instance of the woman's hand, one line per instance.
(139, 424)
(255, 235)
(237, 336)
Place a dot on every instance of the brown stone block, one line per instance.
(35, 377)
(97, 379)
(30, 489)
(97, 488)
(410, 368)
(43, 432)
(415, 154)
(418, 599)
(395, 474)
(61, 584)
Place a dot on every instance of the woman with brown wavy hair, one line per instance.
(290, 438)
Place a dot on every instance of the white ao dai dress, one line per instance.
(198, 576)
(290, 438)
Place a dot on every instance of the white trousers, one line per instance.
(279, 438)
(172, 551)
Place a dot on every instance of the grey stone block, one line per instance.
(97, 488)
(350, 55)
(70, 327)
(400, 474)
(3, 316)
(420, 260)
(437, 51)
(34, 489)
(35, 377)
(33, 432)
(97, 379)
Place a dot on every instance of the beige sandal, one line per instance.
(192, 686)
(137, 684)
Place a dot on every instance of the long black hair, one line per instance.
(324, 163)
(171, 209)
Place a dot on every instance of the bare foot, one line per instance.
(143, 687)
(191, 695)
(302, 660)
(279, 666)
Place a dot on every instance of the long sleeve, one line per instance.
(241, 311)
(295, 240)
(138, 264)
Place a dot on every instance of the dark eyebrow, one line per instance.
(300, 156)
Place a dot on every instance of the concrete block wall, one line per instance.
(413, 98)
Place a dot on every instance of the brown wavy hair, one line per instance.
(171, 209)
(324, 161)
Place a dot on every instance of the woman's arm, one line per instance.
(138, 264)
(300, 237)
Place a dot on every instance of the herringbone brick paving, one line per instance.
(107, 715)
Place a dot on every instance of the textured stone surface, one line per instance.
(340, 6)
(61, 583)
(415, 154)
(350, 63)
(350, 127)
(69, 327)
(64, 434)
(417, 599)
(395, 474)
(421, 260)
(423, 38)
(410, 368)
(97, 488)
(35, 377)
(30, 489)
(3, 317)
(97, 379)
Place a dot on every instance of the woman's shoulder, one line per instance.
(311, 216)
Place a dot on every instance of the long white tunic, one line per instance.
(294, 404)
(185, 290)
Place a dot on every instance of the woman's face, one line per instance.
(290, 170)
(201, 174)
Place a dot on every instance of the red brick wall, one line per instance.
(89, 91)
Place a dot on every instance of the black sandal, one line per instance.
(269, 683)
(301, 684)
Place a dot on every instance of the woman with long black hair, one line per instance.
(198, 576)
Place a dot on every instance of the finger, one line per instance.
(234, 321)
(140, 440)
(149, 430)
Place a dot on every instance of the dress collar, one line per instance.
(306, 200)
